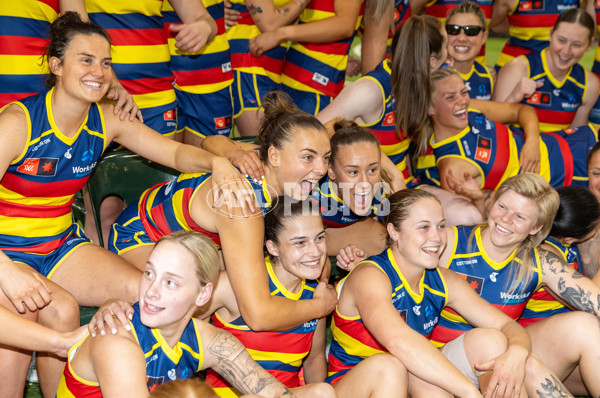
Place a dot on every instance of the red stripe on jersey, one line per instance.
(306, 77)
(321, 5)
(515, 51)
(567, 157)
(357, 331)
(54, 4)
(7, 98)
(335, 48)
(21, 45)
(247, 60)
(42, 248)
(42, 189)
(140, 37)
(502, 152)
(555, 116)
(204, 76)
(10, 209)
(149, 85)
(533, 21)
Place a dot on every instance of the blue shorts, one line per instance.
(46, 264)
(128, 233)
(307, 101)
(248, 91)
(205, 114)
(595, 113)
(161, 118)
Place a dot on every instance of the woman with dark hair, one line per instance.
(551, 80)
(49, 145)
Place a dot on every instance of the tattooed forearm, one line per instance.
(553, 389)
(238, 368)
(253, 10)
(577, 297)
(283, 11)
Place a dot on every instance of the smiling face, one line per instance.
(85, 72)
(170, 290)
(357, 172)
(511, 220)
(437, 60)
(568, 43)
(463, 48)
(449, 104)
(301, 249)
(301, 162)
(594, 174)
(420, 238)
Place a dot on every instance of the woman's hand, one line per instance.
(249, 164)
(328, 297)
(104, 318)
(530, 157)
(66, 340)
(349, 256)
(231, 15)
(229, 187)
(524, 89)
(24, 287)
(467, 188)
(508, 373)
(264, 42)
(125, 104)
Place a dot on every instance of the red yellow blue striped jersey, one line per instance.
(38, 187)
(24, 35)
(163, 363)
(318, 67)
(279, 353)
(209, 69)
(542, 305)
(270, 63)
(139, 49)
(351, 341)
(491, 280)
(556, 102)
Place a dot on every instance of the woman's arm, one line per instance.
(338, 27)
(375, 34)
(315, 364)
(228, 357)
(197, 27)
(370, 293)
(268, 17)
(360, 101)
(242, 155)
(513, 83)
(591, 96)
(509, 368)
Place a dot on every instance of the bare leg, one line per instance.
(248, 122)
(568, 344)
(381, 375)
(541, 382)
(138, 256)
(93, 275)
(458, 210)
(314, 390)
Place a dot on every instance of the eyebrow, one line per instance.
(93, 56)
(313, 151)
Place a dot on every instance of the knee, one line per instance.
(535, 369)
(463, 212)
(484, 344)
(387, 368)
(62, 314)
(322, 390)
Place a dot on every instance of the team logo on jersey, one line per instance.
(222, 122)
(172, 374)
(539, 98)
(484, 149)
(169, 115)
(531, 5)
(319, 78)
(417, 309)
(153, 382)
(493, 276)
(68, 153)
(226, 67)
(389, 119)
(45, 167)
(475, 282)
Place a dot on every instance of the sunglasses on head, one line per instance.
(470, 30)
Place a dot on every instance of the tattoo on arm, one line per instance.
(577, 297)
(235, 364)
(253, 10)
(556, 265)
(553, 389)
(285, 11)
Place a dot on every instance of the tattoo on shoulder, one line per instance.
(254, 10)
(235, 364)
(577, 297)
(556, 265)
(553, 389)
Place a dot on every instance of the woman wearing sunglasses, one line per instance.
(465, 26)
(551, 80)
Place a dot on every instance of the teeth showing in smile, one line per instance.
(502, 230)
(461, 112)
(311, 264)
(92, 84)
(461, 48)
(431, 250)
(153, 308)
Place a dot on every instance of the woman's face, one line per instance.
(421, 238)
(85, 72)
(357, 174)
(437, 60)
(301, 249)
(169, 290)
(568, 42)
(450, 103)
(594, 174)
(463, 48)
(512, 219)
(301, 162)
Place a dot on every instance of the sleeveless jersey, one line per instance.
(270, 63)
(24, 35)
(139, 49)
(384, 128)
(334, 212)
(279, 353)
(542, 305)
(318, 67)
(479, 82)
(555, 102)
(208, 70)
(38, 187)
(494, 151)
(530, 22)
(351, 342)
(489, 279)
(163, 363)
(165, 208)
